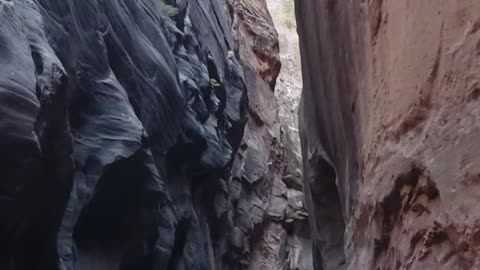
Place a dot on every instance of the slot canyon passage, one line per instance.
(163, 134)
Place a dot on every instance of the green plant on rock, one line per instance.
(214, 83)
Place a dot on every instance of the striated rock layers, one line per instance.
(390, 122)
(121, 132)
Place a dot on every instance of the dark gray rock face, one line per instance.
(327, 122)
(118, 124)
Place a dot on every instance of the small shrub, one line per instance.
(214, 83)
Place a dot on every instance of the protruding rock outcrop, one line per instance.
(390, 125)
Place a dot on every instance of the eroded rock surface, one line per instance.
(390, 123)
(122, 142)
(270, 218)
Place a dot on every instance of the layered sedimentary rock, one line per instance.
(121, 134)
(390, 123)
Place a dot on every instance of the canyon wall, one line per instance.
(269, 222)
(142, 135)
(389, 122)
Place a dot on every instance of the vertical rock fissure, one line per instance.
(328, 218)
(178, 245)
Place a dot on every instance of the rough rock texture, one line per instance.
(121, 134)
(390, 122)
(288, 91)
(289, 87)
(268, 215)
(256, 37)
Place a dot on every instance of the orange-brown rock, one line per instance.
(255, 32)
(390, 128)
